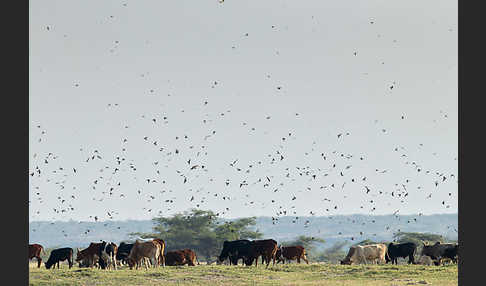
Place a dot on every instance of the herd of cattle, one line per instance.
(381, 253)
(151, 253)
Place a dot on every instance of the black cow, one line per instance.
(235, 250)
(437, 250)
(401, 250)
(123, 251)
(58, 255)
(451, 253)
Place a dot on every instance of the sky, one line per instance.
(339, 107)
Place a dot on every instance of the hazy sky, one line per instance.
(101, 71)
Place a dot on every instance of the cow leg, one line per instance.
(154, 261)
(39, 260)
(147, 262)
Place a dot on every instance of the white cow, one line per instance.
(364, 253)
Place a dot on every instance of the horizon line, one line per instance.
(148, 219)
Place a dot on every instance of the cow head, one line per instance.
(103, 246)
(130, 262)
(80, 255)
(278, 254)
(248, 261)
(224, 251)
(346, 261)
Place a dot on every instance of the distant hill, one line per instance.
(74, 234)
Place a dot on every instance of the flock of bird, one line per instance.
(185, 159)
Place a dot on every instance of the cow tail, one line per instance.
(386, 255)
(42, 250)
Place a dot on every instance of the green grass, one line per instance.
(294, 274)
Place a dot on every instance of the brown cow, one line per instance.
(35, 251)
(94, 252)
(291, 253)
(267, 248)
(174, 258)
(162, 250)
(140, 250)
(190, 256)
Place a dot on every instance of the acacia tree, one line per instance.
(417, 237)
(238, 229)
(199, 230)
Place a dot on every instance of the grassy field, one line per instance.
(294, 274)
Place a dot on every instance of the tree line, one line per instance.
(205, 233)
